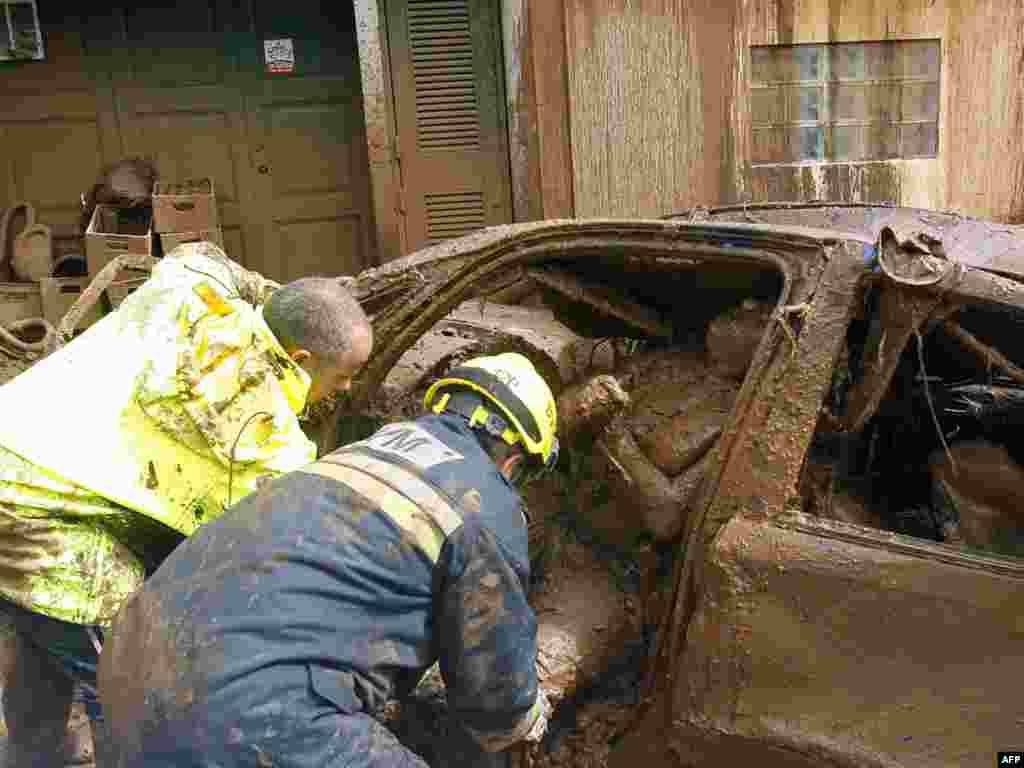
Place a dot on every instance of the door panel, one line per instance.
(176, 43)
(832, 641)
(308, 143)
(61, 144)
(445, 61)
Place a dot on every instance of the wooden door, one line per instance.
(307, 143)
(449, 102)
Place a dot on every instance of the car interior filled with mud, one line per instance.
(740, 391)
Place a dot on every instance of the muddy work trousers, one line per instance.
(50, 664)
(344, 741)
(270, 723)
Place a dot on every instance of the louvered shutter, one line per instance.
(450, 107)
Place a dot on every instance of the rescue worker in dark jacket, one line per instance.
(273, 634)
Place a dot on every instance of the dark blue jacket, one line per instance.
(351, 576)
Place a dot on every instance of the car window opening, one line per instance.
(638, 415)
(951, 471)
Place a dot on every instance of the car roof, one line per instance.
(978, 243)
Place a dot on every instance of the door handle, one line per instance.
(259, 160)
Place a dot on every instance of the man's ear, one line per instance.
(300, 355)
(509, 465)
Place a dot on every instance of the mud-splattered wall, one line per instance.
(660, 109)
(648, 91)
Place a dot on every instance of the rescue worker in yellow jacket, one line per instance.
(273, 636)
(145, 427)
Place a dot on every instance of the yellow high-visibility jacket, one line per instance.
(158, 417)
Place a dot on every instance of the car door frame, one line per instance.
(413, 293)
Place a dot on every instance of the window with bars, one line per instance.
(845, 101)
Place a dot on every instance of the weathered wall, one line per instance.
(980, 168)
(984, 107)
(660, 108)
(649, 88)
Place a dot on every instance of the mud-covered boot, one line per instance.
(36, 704)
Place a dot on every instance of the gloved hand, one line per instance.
(540, 725)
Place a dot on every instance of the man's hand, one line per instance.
(540, 725)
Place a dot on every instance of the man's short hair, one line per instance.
(317, 314)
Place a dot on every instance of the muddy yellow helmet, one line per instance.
(523, 398)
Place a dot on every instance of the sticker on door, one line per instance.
(279, 55)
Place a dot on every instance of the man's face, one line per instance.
(329, 378)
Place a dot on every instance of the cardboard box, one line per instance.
(171, 240)
(59, 293)
(19, 301)
(190, 206)
(119, 289)
(114, 232)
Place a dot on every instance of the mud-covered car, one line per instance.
(792, 461)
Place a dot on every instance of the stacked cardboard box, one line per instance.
(113, 232)
(186, 212)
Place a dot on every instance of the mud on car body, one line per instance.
(845, 590)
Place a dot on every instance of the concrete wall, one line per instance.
(659, 106)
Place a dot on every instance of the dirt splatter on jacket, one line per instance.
(350, 577)
(152, 421)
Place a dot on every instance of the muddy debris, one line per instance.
(591, 646)
(733, 337)
(680, 397)
(591, 406)
(589, 742)
(979, 486)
